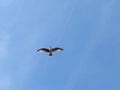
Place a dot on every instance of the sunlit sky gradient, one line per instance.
(88, 30)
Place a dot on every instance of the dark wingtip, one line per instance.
(38, 50)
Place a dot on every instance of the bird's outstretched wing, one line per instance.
(43, 50)
(56, 49)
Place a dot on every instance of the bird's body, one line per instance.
(49, 50)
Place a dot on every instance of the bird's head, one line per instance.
(50, 48)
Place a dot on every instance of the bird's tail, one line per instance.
(50, 54)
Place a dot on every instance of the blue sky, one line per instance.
(88, 30)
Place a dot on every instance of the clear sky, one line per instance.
(88, 30)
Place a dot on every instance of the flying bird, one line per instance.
(50, 50)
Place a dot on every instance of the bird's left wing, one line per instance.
(56, 49)
(43, 50)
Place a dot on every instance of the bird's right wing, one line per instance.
(43, 50)
(57, 49)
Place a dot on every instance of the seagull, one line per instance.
(50, 50)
